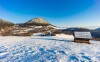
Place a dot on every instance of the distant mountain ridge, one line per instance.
(98, 29)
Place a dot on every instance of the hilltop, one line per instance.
(4, 23)
(37, 21)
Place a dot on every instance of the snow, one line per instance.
(54, 27)
(38, 26)
(38, 34)
(64, 36)
(47, 49)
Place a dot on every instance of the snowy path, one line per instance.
(47, 49)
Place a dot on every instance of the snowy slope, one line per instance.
(66, 37)
(47, 49)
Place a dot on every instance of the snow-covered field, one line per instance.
(47, 49)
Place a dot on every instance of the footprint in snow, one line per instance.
(73, 58)
(62, 52)
(3, 52)
(87, 58)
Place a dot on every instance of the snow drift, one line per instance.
(47, 49)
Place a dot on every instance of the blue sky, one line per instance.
(61, 13)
